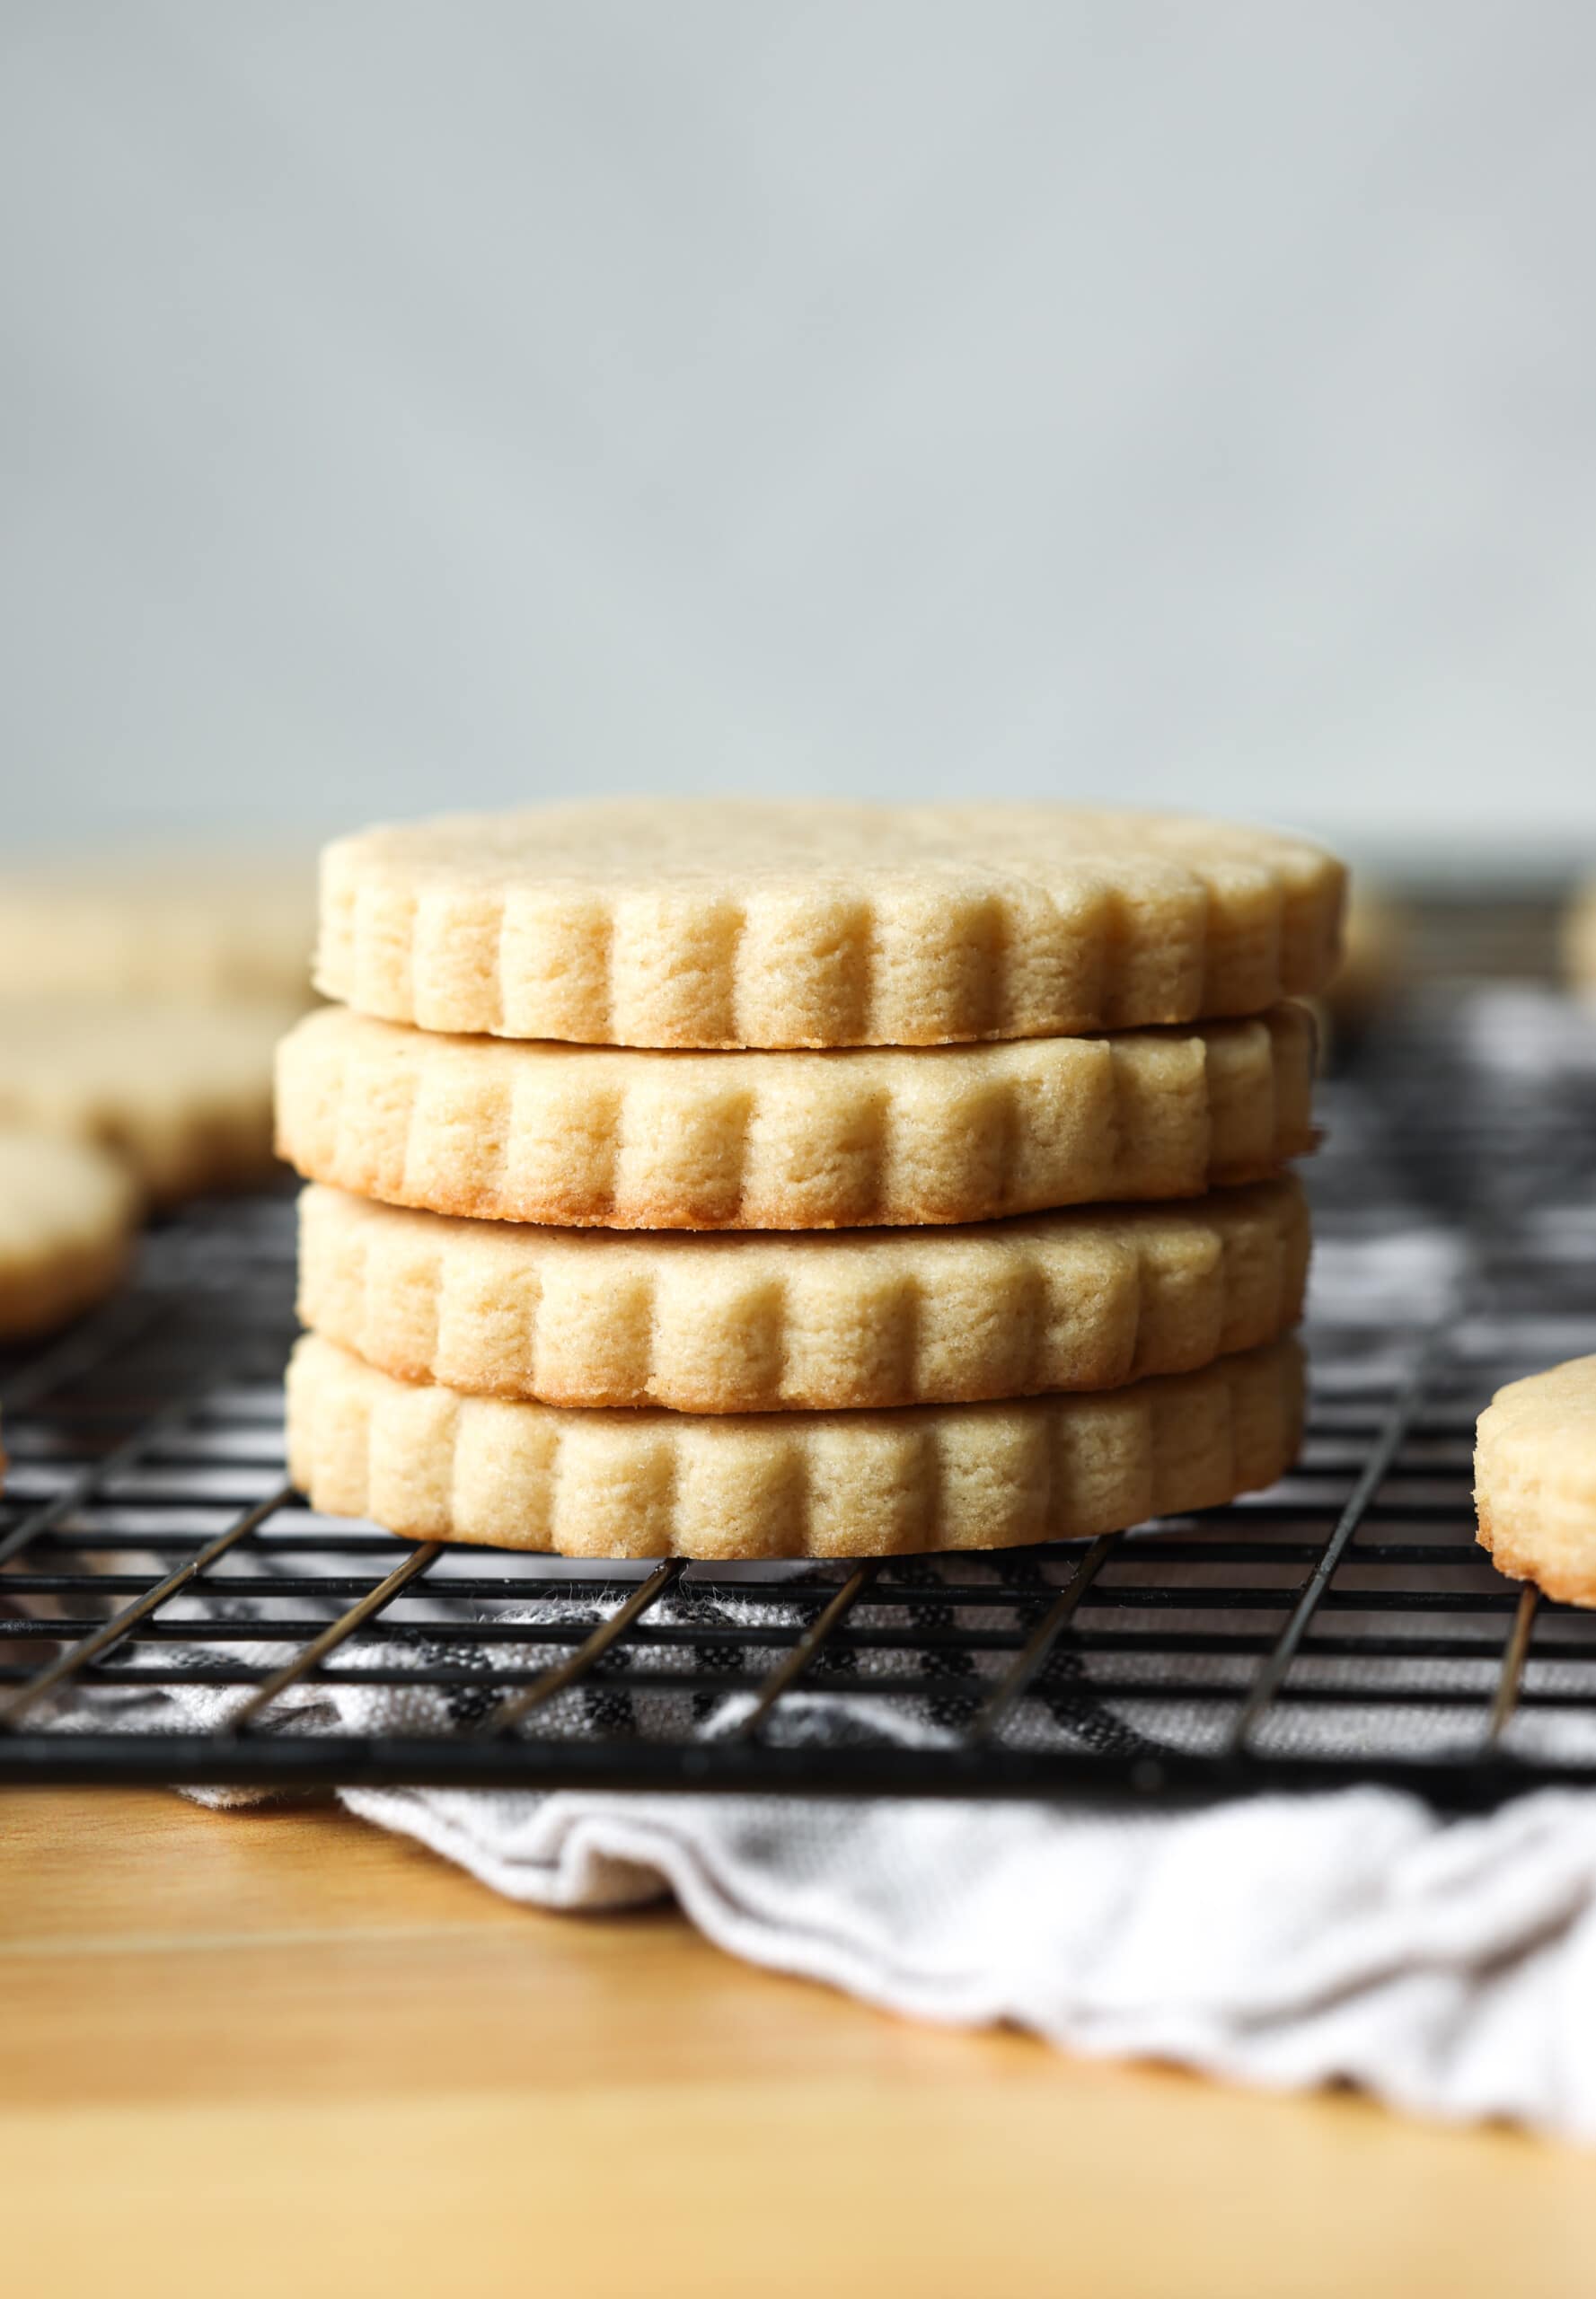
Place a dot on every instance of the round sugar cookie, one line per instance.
(720, 923)
(180, 1092)
(432, 1465)
(1535, 1480)
(164, 924)
(67, 1215)
(755, 1322)
(620, 1139)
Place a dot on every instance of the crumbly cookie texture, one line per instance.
(755, 1323)
(170, 924)
(717, 923)
(430, 1463)
(1535, 1480)
(68, 1212)
(587, 1137)
(181, 1093)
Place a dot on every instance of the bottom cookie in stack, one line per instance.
(608, 1395)
(433, 1464)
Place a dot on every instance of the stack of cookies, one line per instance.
(762, 1181)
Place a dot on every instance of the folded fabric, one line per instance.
(1449, 1969)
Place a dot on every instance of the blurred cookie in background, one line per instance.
(141, 998)
(181, 1092)
(68, 1212)
(1579, 941)
(1375, 950)
(176, 923)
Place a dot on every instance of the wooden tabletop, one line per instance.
(280, 2051)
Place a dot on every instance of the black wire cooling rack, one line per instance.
(171, 1612)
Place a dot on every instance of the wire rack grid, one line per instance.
(171, 1612)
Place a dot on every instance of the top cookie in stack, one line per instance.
(802, 1019)
(713, 924)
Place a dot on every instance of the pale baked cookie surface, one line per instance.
(1535, 1480)
(757, 1322)
(67, 1213)
(183, 1093)
(591, 1137)
(191, 925)
(716, 923)
(430, 1463)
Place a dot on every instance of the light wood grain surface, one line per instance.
(278, 2051)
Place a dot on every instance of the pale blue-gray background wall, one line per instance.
(408, 405)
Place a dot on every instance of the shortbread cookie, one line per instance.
(68, 1212)
(189, 925)
(433, 1465)
(733, 924)
(627, 1139)
(755, 1322)
(1535, 1480)
(181, 1093)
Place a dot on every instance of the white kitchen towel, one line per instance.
(1450, 1968)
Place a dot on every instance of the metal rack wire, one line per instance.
(171, 1611)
